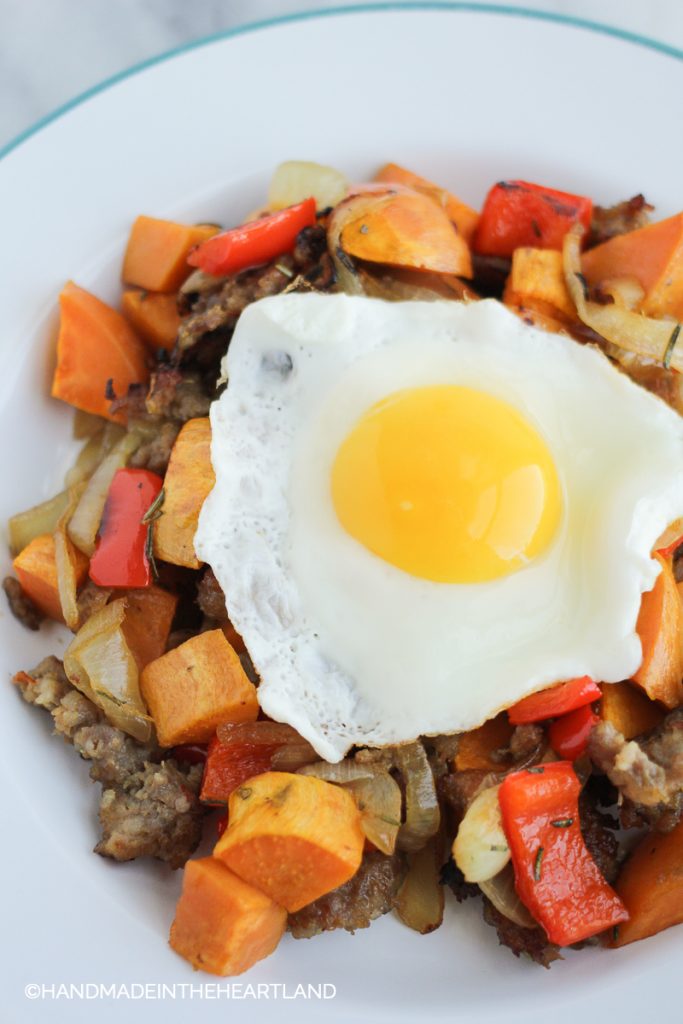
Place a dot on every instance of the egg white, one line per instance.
(352, 650)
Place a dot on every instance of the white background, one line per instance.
(51, 50)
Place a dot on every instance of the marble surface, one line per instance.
(52, 50)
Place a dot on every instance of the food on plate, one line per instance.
(373, 558)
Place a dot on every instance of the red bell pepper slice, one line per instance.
(555, 701)
(120, 558)
(668, 551)
(255, 242)
(518, 213)
(555, 876)
(228, 765)
(569, 733)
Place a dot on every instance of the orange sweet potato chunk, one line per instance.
(651, 886)
(462, 215)
(660, 627)
(476, 747)
(653, 255)
(187, 483)
(97, 350)
(157, 251)
(408, 230)
(36, 570)
(195, 687)
(223, 925)
(537, 277)
(628, 709)
(147, 622)
(154, 315)
(294, 837)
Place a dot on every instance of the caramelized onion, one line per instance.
(26, 526)
(99, 663)
(646, 336)
(501, 891)
(422, 815)
(420, 899)
(85, 521)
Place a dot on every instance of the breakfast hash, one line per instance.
(372, 555)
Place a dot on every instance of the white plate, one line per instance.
(466, 97)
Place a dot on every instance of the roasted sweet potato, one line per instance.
(537, 315)
(147, 623)
(459, 213)
(653, 255)
(36, 570)
(223, 925)
(651, 886)
(154, 315)
(157, 251)
(188, 480)
(294, 837)
(476, 747)
(195, 687)
(660, 628)
(628, 709)
(98, 354)
(408, 229)
(537, 278)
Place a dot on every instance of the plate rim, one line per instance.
(372, 7)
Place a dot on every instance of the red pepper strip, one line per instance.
(555, 876)
(255, 242)
(189, 753)
(120, 559)
(517, 213)
(555, 701)
(569, 733)
(228, 765)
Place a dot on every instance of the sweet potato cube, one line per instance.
(147, 623)
(294, 837)
(476, 747)
(187, 483)
(660, 627)
(154, 315)
(653, 255)
(157, 251)
(408, 230)
(222, 925)
(537, 277)
(651, 886)
(36, 570)
(628, 709)
(462, 215)
(195, 687)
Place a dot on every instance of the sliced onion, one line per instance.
(267, 733)
(99, 663)
(379, 801)
(422, 815)
(65, 563)
(292, 756)
(420, 899)
(481, 848)
(626, 292)
(296, 180)
(348, 210)
(86, 424)
(656, 339)
(41, 519)
(85, 521)
(341, 773)
(198, 283)
(501, 891)
(400, 285)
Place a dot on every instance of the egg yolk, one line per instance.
(448, 484)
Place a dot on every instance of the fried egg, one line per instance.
(425, 511)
